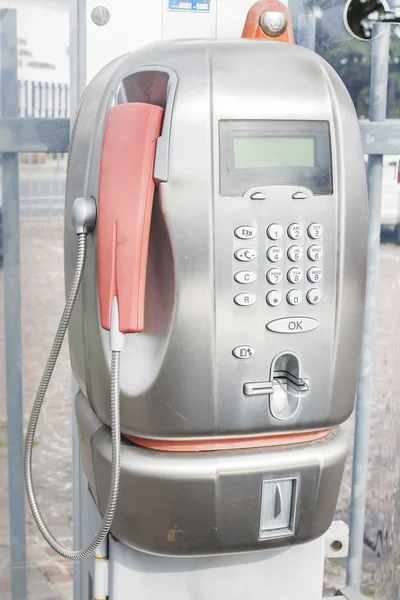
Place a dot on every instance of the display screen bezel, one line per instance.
(235, 182)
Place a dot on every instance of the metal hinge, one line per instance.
(100, 573)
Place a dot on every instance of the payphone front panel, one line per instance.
(286, 287)
(285, 293)
(256, 264)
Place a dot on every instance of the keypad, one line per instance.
(292, 266)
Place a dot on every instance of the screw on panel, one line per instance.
(337, 540)
(100, 15)
(273, 23)
(336, 546)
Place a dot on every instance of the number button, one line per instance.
(274, 276)
(274, 231)
(295, 275)
(294, 297)
(295, 231)
(245, 232)
(274, 254)
(314, 296)
(314, 252)
(295, 253)
(245, 277)
(245, 299)
(274, 298)
(245, 254)
(314, 274)
(315, 231)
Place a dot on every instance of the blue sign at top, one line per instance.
(189, 5)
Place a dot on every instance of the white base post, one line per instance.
(291, 574)
(294, 573)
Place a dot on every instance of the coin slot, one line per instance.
(288, 386)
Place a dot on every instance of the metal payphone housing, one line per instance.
(179, 378)
(185, 377)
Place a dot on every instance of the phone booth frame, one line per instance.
(52, 135)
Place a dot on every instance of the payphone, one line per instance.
(218, 192)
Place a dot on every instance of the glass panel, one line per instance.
(350, 55)
(42, 47)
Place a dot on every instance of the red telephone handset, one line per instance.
(125, 204)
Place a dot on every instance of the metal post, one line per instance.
(79, 483)
(378, 98)
(12, 310)
(306, 31)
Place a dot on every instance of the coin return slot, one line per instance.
(278, 508)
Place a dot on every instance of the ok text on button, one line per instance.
(292, 325)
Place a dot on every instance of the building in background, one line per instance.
(43, 39)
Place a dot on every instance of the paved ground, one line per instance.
(42, 301)
(49, 577)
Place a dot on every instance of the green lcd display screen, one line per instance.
(256, 152)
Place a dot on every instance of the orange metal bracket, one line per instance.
(252, 27)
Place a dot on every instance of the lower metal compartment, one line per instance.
(214, 503)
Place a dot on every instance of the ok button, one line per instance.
(292, 325)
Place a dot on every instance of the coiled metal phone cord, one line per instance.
(115, 424)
